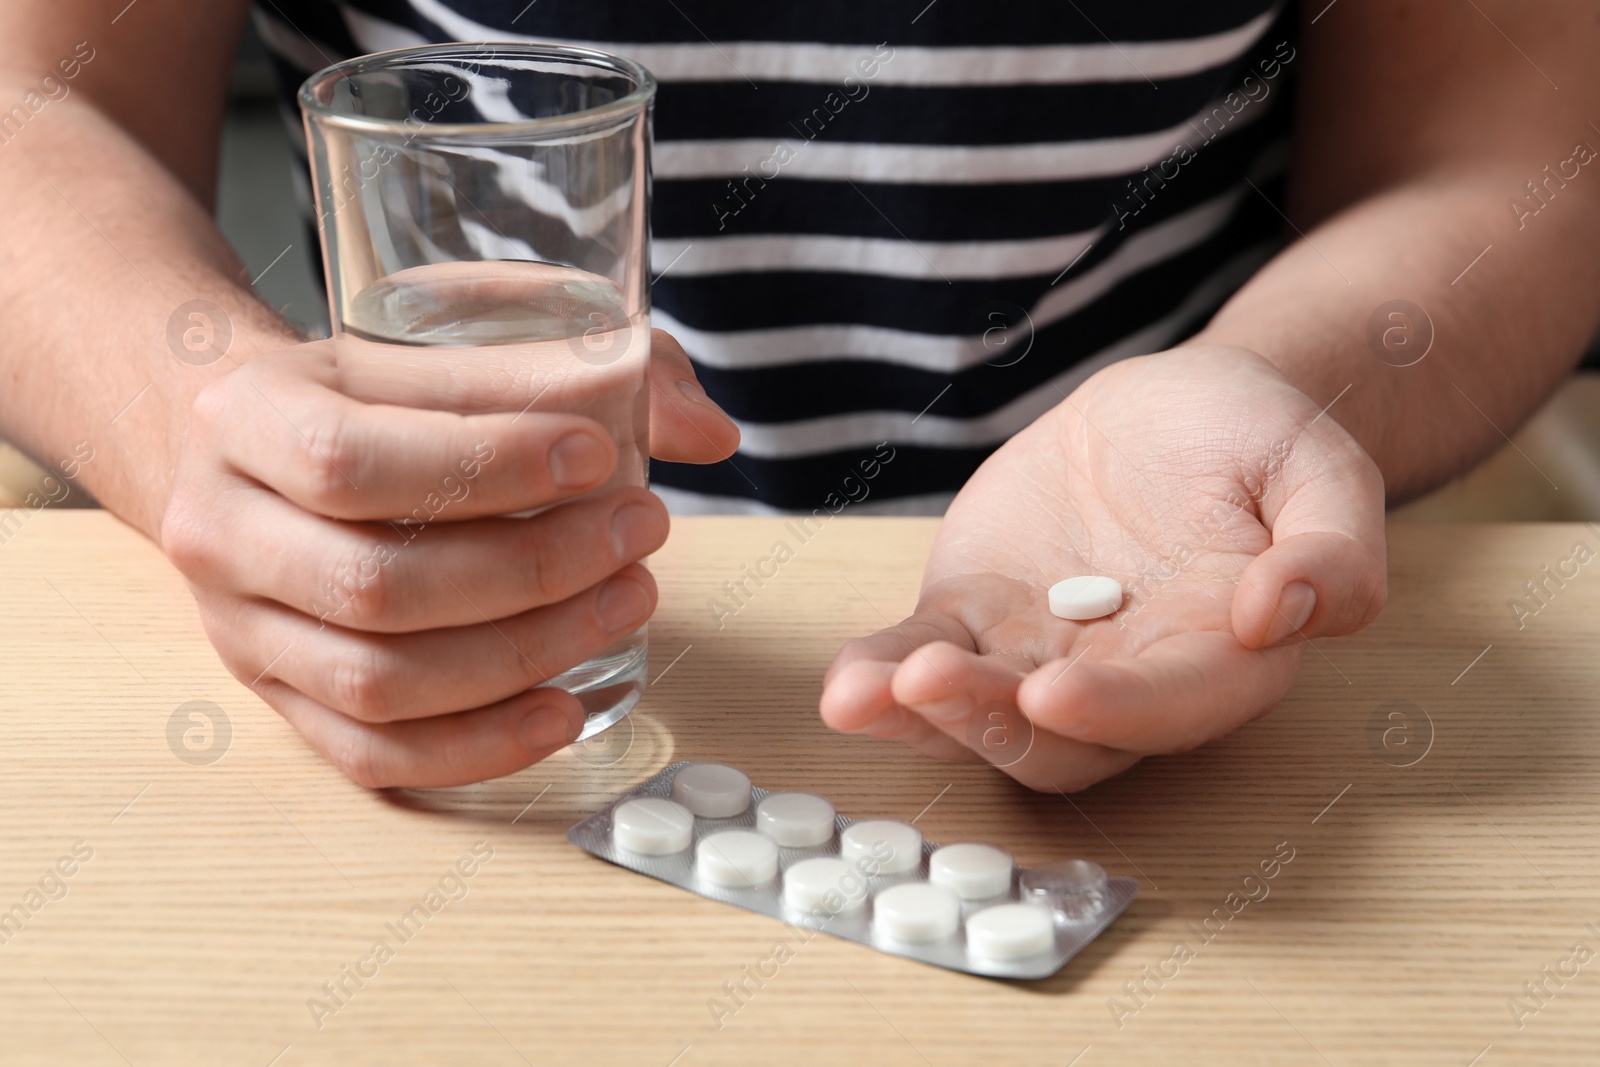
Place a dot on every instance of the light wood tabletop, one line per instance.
(1435, 779)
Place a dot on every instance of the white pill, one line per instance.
(654, 826)
(916, 911)
(712, 790)
(971, 872)
(739, 859)
(886, 846)
(1010, 931)
(795, 820)
(827, 883)
(1086, 597)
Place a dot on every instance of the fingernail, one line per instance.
(636, 529)
(621, 605)
(578, 459)
(546, 728)
(1295, 606)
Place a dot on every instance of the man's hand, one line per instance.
(412, 655)
(1240, 520)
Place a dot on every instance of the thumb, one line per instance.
(1326, 572)
(686, 425)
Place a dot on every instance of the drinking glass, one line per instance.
(496, 197)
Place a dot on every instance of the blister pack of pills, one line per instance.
(968, 907)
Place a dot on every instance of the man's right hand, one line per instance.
(416, 654)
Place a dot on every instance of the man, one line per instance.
(1014, 197)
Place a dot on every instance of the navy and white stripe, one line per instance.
(831, 251)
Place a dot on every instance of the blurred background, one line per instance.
(1548, 471)
(257, 201)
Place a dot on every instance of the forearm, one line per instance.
(1506, 328)
(103, 245)
(1408, 155)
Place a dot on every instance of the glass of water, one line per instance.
(496, 197)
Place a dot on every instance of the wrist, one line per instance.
(145, 431)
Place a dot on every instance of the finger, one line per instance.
(1051, 763)
(1178, 693)
(390, 677)
(895, 643)
(856, 696)
(1319, 584)
(446, 750)
(603, 378)
(946, 683)
(390, 578)
(1324, 574)
(857, 700)
(984, 718)
(563, 374)
(686, 426)
(346, 459)
(861, 697)
(856, 693)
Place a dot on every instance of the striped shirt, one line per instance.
(892, 235)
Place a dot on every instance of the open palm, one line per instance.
(1240, 520)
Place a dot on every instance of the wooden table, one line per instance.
(220, 897)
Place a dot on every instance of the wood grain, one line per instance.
(220, 898)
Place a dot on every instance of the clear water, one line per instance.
(567, 338)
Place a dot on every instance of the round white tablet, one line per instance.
(712, 790)
(916, 911)
(1089, 596)
(886, 846)
(795, 820)
(825, 882)
(1076, 889)
(654, 826)
(1010, 931)
(738, 859)
(971, 872)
